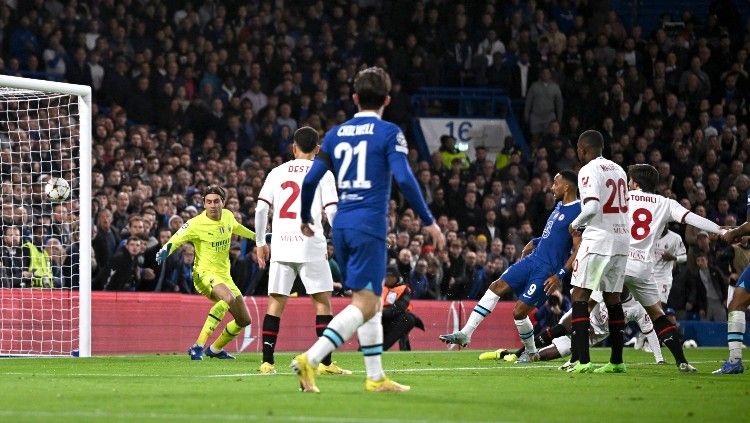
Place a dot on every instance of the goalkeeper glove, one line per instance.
(161, 255)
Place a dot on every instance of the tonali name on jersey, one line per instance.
(606, 233)
(648, 214)
(281, 191)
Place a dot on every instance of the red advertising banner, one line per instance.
(40, 321)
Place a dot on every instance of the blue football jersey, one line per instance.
(360, 150)
(555, 243)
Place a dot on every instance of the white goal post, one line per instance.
(45, 131)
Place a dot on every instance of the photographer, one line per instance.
(398, 320)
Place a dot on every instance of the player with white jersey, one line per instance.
(649, 215)
(293, 253)
(669, 250)
(602, 256)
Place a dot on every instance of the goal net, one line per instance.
(45, 252)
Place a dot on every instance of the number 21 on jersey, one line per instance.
(345, 151)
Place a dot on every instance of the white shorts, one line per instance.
(598, 272)
(644, 291)
(634, 312)
(562, 343)
(664, 288)
(315, 275)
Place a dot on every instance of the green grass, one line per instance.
(446, 386)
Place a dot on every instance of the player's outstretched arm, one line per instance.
(409, 187)
(183, 235)
(737, 232)
(243, 231)
(683, 215)
(589, 209)
(312, 179)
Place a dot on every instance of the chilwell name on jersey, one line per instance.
(356, 130)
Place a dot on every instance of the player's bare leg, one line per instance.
(323, 316)
(735, 332)
(483, 309)
(241, 315)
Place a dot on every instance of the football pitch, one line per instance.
(450, 386)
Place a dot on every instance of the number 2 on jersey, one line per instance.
(619, 192)
(344, 151)
(284, 213)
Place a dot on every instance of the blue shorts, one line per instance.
(526, 278)
(744, 280)
(362, 259)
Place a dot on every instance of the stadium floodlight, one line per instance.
(45, 253)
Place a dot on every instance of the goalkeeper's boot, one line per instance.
(457, 338)
(332, 369)
(611, 368)
(222, 355)
(305, 373)
(385, 385)
(492, 355)
(195, 352)
(267, 368)
(527, 358)
(686, 368)
(730, 368)
(582, 368)
(511, 358)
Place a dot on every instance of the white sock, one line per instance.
(371, 340)
(340, 329)
(483, 309)
(526, 332)
(735, 333)
(653, 342)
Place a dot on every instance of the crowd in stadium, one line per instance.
(189, 94)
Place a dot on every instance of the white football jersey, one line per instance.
(648, 213)
(670, 243)
(633, 311)
(608, 232)
(281, 191)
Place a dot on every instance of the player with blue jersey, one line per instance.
(363, 154)
(738, 305)
(546, 261)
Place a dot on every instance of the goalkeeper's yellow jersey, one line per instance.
(211, 239)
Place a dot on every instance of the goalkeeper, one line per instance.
(211, 234)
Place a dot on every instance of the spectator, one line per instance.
(544, 103)
(120, 273)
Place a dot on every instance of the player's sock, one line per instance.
(230, 332)
(653, 342)
(616, 329)
(483, 309)
(370, 336)
(270, 333)
(667, 334)
(213, 319)
(735, 333)
(340, 329)
(546, 336)
(321, 322)
(526, 332)
(580, 338)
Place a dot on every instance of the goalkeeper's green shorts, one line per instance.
(204, 284)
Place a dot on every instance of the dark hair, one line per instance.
(372, 86)
(592, 139)
(306, 139)
(569, 176)
(645, 175)
(215, 189)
